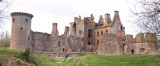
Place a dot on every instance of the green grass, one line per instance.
(88, 60)
(116, 60)
(8, 52)
(39, 60)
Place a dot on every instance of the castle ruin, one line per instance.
(107, 37)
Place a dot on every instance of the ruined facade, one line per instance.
(107, 37)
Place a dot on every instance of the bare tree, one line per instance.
(147, 14)
(4, 36)
(4, 4)
(4, 39)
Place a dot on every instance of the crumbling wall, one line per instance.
(85, 36)
(89, 34)
(141, 44)
(45, 42)
(110, 45)
(117, 27)
(39, 41)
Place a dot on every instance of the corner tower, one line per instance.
(21, 30)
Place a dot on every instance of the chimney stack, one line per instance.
(107, 19)
(66, 31)
(54, 30)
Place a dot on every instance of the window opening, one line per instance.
(89, 33)
(97, 42)
(89, 43)
(101, 33)
(59, 43)
(13, 20)
(97, 34)
(26, 20)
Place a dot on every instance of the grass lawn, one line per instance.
(87, 60)
(116, 60)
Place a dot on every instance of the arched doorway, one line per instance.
(132, 51)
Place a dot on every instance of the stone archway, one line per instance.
(132, 51)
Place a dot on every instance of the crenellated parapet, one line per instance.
(78, 19)
(21, 14)
(150, 37)
(129, 37)
(142, 37)
(139, 38)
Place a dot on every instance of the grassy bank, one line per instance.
(117, 60)
(8, 54)
(88, 60)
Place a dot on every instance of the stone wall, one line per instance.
(141, 44)
(39, 41)
(110, 45)
(85, 36)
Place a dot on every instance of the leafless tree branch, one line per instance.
(147, 14)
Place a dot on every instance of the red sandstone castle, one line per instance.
(107, 37)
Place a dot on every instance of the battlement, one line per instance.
(87, 19)
(21, 14)
(142, 37)
(139, 37)
(78, 19)
(129, 37)
(150, 37)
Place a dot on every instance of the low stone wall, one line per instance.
(63, 54)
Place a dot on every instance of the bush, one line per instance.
(4, 39)
(5, 42)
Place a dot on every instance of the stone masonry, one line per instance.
(107, 37)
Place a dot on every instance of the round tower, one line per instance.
(21, 30)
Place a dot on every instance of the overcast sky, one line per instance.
(63, 12)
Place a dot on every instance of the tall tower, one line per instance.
(21, 30)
